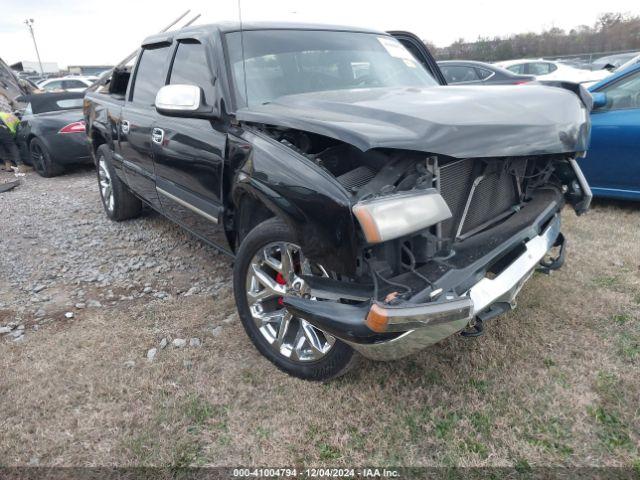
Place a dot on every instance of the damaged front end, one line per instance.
(451, 212)
(445, 243)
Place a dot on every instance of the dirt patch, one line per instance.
(554, 382)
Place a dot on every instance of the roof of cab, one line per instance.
(234, 26)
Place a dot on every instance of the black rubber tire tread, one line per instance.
(340, 359)
(125, 205)
(47, 168)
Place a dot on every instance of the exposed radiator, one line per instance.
(479, 193)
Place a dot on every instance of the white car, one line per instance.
(628, 63)
(622, 67)
(550, 70)
(67, 84)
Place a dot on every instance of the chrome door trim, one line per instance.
(187, 205)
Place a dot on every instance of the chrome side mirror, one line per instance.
(183, 101)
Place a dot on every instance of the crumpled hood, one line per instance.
(458, 121)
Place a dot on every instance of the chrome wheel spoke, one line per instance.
(106, 188)
(272, 262)
(272, 317)
(273, 273)
(311, 336)
(260, 295)
(297, 352)
(288, 267)
(283, 329)
(267, 282)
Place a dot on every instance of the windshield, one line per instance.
(286, 62)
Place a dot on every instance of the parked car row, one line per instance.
(550, 70)
(524, 70)
(67, 84)
(478, 73)
(611, 165)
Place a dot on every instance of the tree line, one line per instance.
(611, 32)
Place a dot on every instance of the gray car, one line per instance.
(478, 73)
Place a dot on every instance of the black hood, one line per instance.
(457, 121)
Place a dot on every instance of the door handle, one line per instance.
(125, 127)
(157, 135)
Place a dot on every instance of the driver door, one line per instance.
(189, 152)
(421, 53)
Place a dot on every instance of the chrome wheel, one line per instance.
(106, 186)
(275, 271)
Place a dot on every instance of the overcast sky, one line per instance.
(105, 31)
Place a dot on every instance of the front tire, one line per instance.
(268, 263)
(41, 160)
(118, 201)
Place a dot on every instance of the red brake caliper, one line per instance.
(281, 281)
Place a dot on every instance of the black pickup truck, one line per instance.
(370, 208)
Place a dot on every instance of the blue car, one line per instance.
(612, 164)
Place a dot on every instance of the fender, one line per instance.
(308, 199)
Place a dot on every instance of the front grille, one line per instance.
(478, 193)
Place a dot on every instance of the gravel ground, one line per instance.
(62, 254)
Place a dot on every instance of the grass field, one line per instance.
(555, 382)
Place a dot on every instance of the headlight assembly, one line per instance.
(395, 216)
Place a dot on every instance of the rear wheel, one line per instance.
(41, 160)
(118, 201)
(269, 264)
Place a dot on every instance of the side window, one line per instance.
(623, 94)
(552, 67)
(483, 73)
(55, 85)
(518, 68)
(190, 67)
(73, 84)
(459, 74)
(149, 75)
(539, 68)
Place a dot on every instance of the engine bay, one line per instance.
(481, 193)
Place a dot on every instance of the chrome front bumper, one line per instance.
(432, 322)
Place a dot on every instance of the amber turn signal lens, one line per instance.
(377, 319)
(368, 224)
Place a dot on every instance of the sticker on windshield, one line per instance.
(409, 62)
(395, 48)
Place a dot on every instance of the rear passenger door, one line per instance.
(189, 152)
(137, 122)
